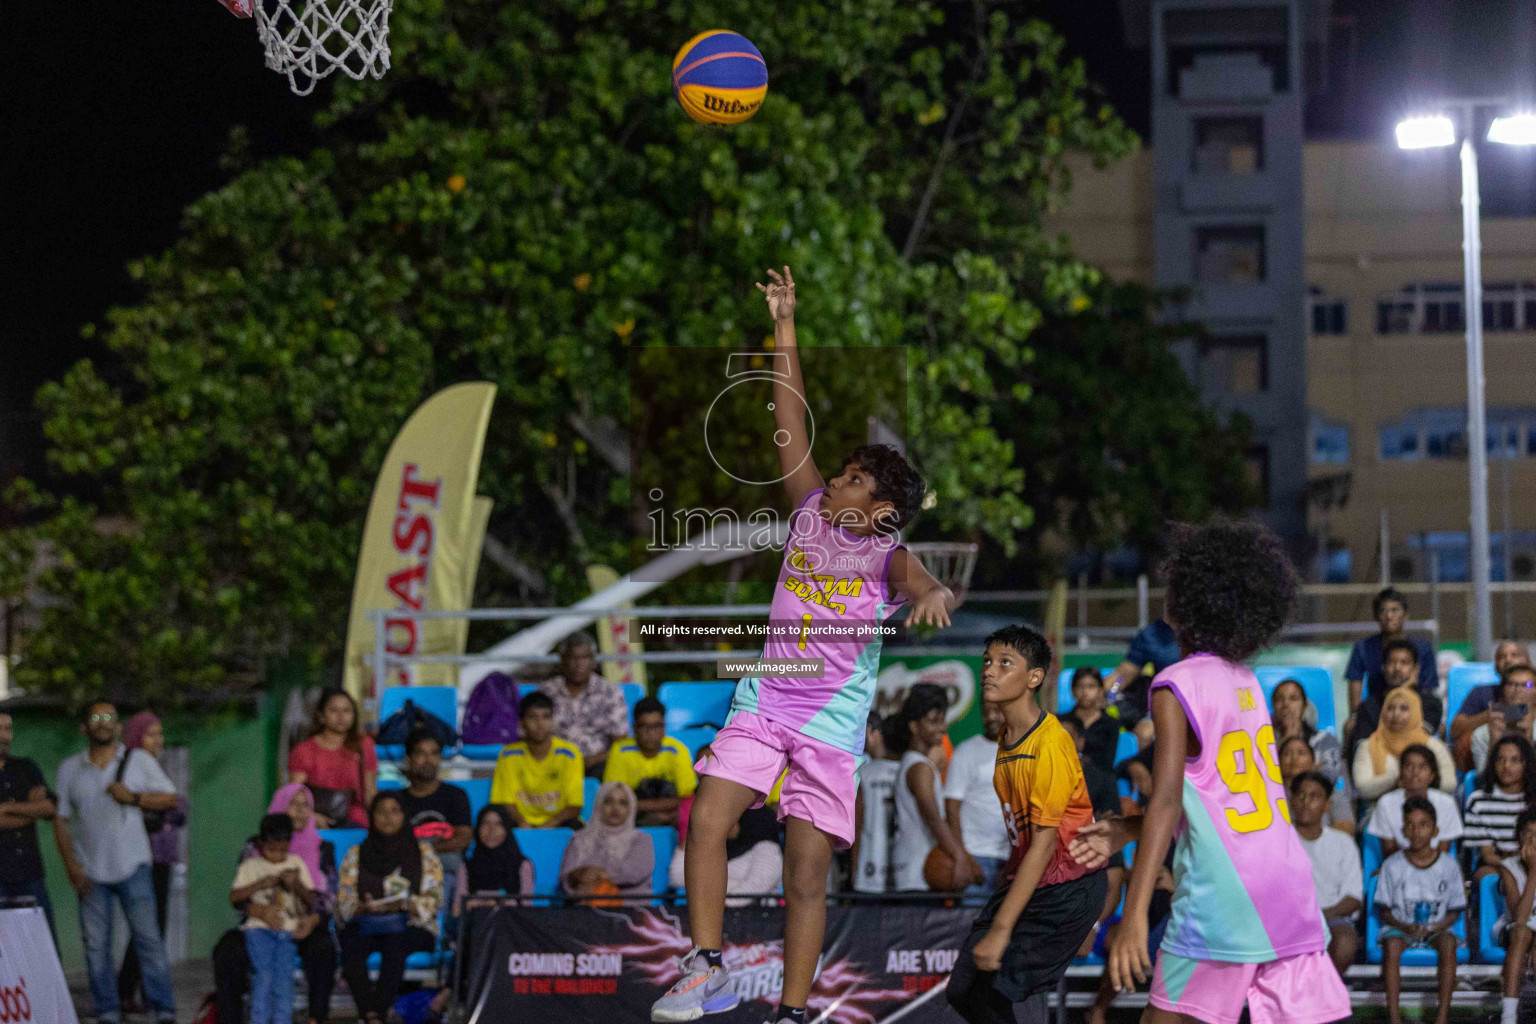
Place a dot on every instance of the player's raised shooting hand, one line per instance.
(1128, 963)
(780, 294)
(932, 609)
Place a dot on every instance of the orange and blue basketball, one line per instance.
(719, 78)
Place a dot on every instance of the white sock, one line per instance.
(1510, 1005)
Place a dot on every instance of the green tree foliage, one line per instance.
(520, 200)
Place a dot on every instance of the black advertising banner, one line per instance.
(583, 964)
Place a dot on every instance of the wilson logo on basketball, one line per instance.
(717, 105)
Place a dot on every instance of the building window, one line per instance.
(1442, 434)
(1439, 308)
(1229, 254)
(1236, 364)
(1256, 464)
(1329, 441)
(1228, 145)
(1326, 315)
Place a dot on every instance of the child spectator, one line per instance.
(1336, 868)
(657, 767)
(276, 888)
(1513, 928)
(1418, 899)
(1296, 758)
(1420, 777)
(538, 778)
(920, 826)
(1101, 733)
(1401, 727)
(610, 857)
(874, 812)
(971, 807)
(1518, 688)
(1506, 789)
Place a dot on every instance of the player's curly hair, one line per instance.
(1231, 588)
(896, 481)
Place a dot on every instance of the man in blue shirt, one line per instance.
(1364, 670)
(1152, 649)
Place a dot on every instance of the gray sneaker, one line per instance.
(702, 989)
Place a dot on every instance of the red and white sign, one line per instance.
(32, 986)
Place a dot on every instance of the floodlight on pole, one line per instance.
(1438, 131)
(1430, 132)
(1513, 130)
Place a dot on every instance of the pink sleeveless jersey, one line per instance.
(1244, 889)
(834, 586)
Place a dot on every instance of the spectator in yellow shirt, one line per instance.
(538, 778)
(657, 767)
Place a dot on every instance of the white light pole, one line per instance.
(1435, 131)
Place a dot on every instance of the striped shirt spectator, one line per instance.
(1505, 789)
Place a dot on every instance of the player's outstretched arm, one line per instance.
(1095, 843)
(790, 403)
(931, 601)
(1128, 962)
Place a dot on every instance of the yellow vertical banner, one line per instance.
(613, 636)
(416, 553)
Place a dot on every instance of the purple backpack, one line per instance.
(490, 717)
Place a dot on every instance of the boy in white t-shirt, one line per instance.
(1513, 928)
(1418, 777)
(277, 888)
(1419, 897)
(1336, 868)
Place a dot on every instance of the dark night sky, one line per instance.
(113, 118)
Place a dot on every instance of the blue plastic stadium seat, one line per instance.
(1126, 747)
(1411, 957)
(694, 737)
(632, 694)
(1316, 682)
(664, 839)
(1490, 905)
(1370, 854)
(1462, 680)
(544, 847)
(385, 785)
(589, 788)
(442, 701)
(479, 793)
(1468, 787)
(343, 839)
(696, 704)
(1064, 701)
(481, 751)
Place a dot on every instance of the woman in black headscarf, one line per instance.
(391, 890)
(496, 864)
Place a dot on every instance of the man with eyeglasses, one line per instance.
(106, 853)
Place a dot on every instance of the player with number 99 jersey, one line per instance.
(1243, 883)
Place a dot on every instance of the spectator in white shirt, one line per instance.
(971, 805)
(1420, 776)
(1513, 928)
(1336, 869)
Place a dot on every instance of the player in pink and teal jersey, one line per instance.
(1244, 926)
(843, 574)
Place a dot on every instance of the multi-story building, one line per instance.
(1385, 358)
(1226, 180)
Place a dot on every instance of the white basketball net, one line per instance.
(308, 39)
(950, 562)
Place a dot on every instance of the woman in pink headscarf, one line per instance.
(143, 732)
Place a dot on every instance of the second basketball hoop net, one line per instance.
(949, 562)
(309, 39)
